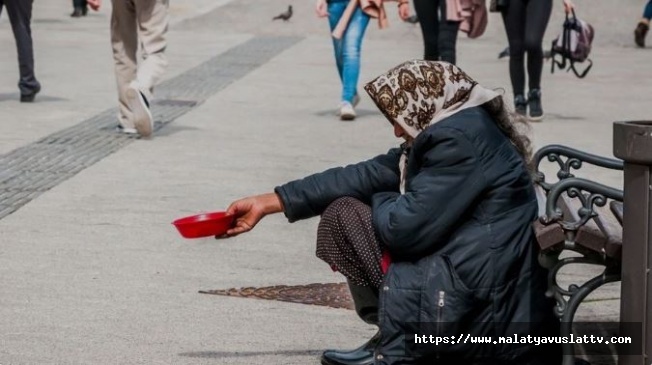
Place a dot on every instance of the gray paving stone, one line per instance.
(92, 272)
(53, 159)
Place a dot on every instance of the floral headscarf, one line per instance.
(417, 94)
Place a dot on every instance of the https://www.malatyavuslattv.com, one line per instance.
(536, 340)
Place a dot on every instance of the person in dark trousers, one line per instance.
(439, 34)
(525, 23)
(20, 16)
(80, 8)
(643, 25)
(435, 236)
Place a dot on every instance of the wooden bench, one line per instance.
(582, 216)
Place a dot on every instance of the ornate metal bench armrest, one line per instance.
(573, 160)
(589, 193)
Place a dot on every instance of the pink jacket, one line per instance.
(471, 13)
(373, 8)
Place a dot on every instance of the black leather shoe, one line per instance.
(76, 13)
(29, 98)
(363, 355)
(639, 34)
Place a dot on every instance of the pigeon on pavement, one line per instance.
(286, 15)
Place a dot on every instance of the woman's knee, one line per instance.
(533, 45)
(331, 229)
(340, 206)
(334, 216)
(516, 49)
(340, 216)
(352, 39)
(351, 45)
(350, 55)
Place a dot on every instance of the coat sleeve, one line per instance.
(309, 197)
(448, 183)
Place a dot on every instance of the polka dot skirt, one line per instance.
(346, 240)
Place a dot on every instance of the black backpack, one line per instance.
(573, 45)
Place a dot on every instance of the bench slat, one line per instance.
(617, 210)
(612, 229)
(602, 234)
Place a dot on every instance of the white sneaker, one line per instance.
(346, 111)
(129, 131)
(356, 100)
(142, 117)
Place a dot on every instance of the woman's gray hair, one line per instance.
(514, 126)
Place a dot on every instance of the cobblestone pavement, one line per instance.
(39, 166)
(92, 272)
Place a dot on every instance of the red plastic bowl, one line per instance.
(204, 225)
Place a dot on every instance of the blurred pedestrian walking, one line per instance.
(134, 23)
(347, 50)
(20, 17)
(643, 25)
(439, 33)
(80, 8)
(525, 23)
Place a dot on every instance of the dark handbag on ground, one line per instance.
(496, 6)
(573, 45)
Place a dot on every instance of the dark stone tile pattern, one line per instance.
(29, 171)
(334, 295)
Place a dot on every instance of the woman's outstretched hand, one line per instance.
(249, 211)
(321, 8)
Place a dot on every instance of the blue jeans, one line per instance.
(647, 13)
(347, 49)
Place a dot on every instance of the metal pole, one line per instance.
(633, 144)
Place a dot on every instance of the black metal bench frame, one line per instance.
(590, 195)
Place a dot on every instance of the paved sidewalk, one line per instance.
(92, 272)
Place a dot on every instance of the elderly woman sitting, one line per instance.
(434, 237)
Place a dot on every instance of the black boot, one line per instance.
(366, 306)
(363, 355)
(76, 13)
(534, 103)
(520, 105)
(639, 34)
(29, 97)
